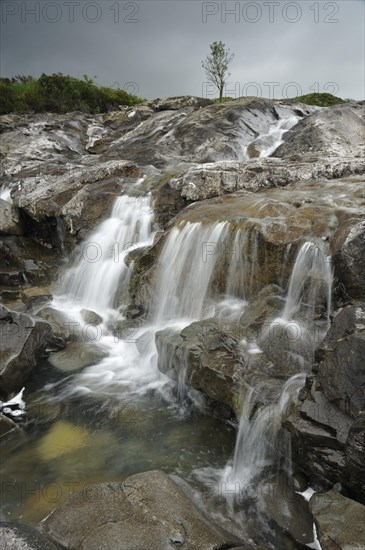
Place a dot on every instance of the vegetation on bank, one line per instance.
(58, 93)
(321, 100)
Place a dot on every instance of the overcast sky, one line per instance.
(155, 48)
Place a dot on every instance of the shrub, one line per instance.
(59, 93)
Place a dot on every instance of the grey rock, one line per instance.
(340, 521)
(24, 340)
(16, 536)
(77, 356)
(147, 510)
(90, 317)
(10, 220)
(337, 131)
(348, 249)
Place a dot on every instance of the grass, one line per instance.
(59, 93)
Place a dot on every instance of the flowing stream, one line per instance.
(121, 415)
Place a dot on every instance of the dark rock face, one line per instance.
(147, 510)
(15, 536)
(24, 262)
(339, 520)
(10, 220)
(348, 248)
(23, 341)
(327, 430)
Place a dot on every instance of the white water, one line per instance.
(5, 194)
(274, 138)
(100, 267)
(258, 444)
(185, 269)
(311, 277)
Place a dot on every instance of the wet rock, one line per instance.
(340, 521)
(348, 249)
(206, 356)
(24, 340)
(16, 536)
(26, 262)
(327, 427)
(354, 458)
(62, 327)
(213, 179)
(148, 510)
(341, 374)
(77, 356)
(10, 220)
(90, 317)
(338, 131)
(11, 436)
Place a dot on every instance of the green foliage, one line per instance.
(59, 94)
(224, 99)
(322, 100)
(216, 65)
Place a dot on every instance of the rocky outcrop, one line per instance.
(348, 249)
(327, 430)
(10, 220)
(219, 178)
(222, 360)
(23, 341)
(338, 131)
(339, 520)
(147, 510)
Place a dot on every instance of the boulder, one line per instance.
(206, 356)
(17, 536)
(90, 317)
(62, 327)
(147, 510)
(77, 356)
(10, 220)
(340, 521)
(24, 340)
(338, 131)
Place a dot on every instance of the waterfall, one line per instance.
(5, 194)
(100, 268)
(274, 138)
(241, 278)
(260, 442)
(185, 270)
(310, 282)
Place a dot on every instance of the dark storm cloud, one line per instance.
(280, 47)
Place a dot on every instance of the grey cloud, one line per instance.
(162, 52)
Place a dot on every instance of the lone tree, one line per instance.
(216, 65)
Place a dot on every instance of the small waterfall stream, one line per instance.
(258, 444)
(100, 268)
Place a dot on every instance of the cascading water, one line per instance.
(5, 194)
(274, 138)
(258, 444)
(185, 270)
(100, 267)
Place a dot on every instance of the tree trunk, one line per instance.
(221, 91)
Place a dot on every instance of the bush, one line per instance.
(59, 94)
(321, 100)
